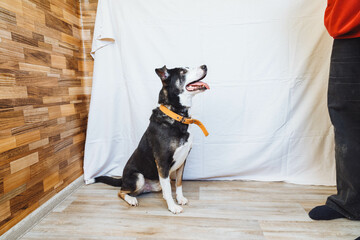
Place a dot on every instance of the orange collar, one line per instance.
(182, 119)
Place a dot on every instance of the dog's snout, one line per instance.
(203, 67)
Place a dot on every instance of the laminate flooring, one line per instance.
(216, 210)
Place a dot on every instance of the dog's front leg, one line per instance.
(166, 191)
(179, 193)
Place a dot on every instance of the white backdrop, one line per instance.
(268, 67)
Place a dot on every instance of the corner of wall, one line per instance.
(45, 86)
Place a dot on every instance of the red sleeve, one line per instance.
(342, 18)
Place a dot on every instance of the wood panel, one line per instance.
(45, 85)
(217, 210)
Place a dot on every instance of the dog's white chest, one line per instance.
(181, 153)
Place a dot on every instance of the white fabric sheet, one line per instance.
(268, 67)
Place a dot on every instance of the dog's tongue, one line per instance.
(200, 83)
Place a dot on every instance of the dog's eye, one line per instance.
(183, 72)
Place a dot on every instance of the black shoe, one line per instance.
(324, 213)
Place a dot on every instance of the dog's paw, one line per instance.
(132, 201)
(175, 209)
(181, 200)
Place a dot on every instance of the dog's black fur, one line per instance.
(154, 155)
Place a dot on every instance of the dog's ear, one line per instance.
(162, 73)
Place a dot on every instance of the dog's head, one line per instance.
(181, 84)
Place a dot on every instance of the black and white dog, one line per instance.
(165, 144)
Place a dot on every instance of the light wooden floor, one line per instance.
(217, 210)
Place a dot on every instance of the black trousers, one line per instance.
(344, 110)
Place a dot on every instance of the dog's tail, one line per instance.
(116, 182)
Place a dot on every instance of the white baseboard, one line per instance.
(33, 218)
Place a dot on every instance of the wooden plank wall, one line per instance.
(45, 84)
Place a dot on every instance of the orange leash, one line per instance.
(182, 119)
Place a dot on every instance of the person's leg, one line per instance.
(344, 110)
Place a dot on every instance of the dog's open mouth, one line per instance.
(197, 85)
